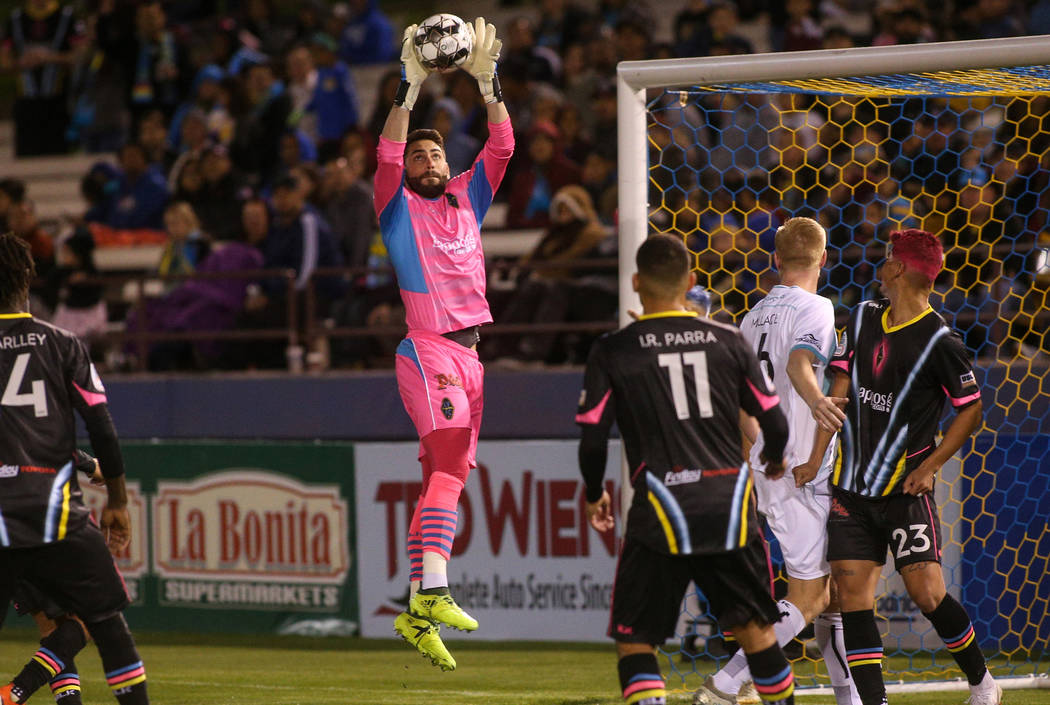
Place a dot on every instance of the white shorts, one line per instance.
(799, 520)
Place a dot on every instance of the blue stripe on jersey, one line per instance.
(54, 502)
(849, 465)
(480, 192)
(399, 238)
(673, 511)
(879, 471)
(407, 347)
(803, 346)
(735, 515)
(4, 539)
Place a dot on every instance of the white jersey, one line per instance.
(787, 319)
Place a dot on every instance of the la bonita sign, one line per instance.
(249, 524)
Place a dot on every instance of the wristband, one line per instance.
(490, 89)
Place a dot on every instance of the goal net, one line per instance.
(952, 138)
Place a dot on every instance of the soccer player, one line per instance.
(675, 383)
(792, 331)
(431, 227)
(45, 535)
(898, 361)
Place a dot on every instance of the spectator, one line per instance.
(11, 192)
(347, 199)
(908, 26)
(723, 31)
(308, 182)
(141, 194)
(598, 178)
(256, 142)
(76, 304)
(553, 295)
(460, 148)
(543, 63)
(1000, 18)
(563, 23)
(302, 82)
(265, 34)
(99, 187)
(691, 32)
(633, 39)
(186, 245)
(153, 136)
(802, 32)
(334, 100)
(192, 144)
(545, 171)
(296, 148)
(22, 221)
(311, 20)
(205, 96)
(368, 37)
(39, 42)
(219, 205)
(835, 37)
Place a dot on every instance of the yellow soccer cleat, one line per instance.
(442, 608)
(424, 635)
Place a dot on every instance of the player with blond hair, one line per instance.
(792, 331)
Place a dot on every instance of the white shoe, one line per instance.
(983, 694)
(748, 695)
(708, 694)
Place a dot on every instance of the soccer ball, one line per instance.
(443, 42)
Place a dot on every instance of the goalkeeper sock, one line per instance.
(864, 655)
(956, 631)
(437, 523)
(66, 685)
(640, 680)
(125, 673)
(56, 650)
(772, 675)
(827, 629)
(733, 675)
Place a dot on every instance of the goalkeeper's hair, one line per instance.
(16, 271)
(800, 243)
(424, 133)
(663, 266)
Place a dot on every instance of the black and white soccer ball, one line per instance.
(443, 42)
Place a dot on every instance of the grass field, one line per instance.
(245, 670)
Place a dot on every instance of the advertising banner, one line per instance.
(243, 537)
(526, 562)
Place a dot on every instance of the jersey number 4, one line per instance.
(675, 364)
(35, 398)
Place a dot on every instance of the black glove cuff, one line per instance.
(402, 92)
(496, 92)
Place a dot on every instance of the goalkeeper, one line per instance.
(430, 224)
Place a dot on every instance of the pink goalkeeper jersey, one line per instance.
(435, 244)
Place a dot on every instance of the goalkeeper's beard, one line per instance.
(428, 190)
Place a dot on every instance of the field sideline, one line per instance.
(220, 669)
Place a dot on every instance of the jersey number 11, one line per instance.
(675, 364)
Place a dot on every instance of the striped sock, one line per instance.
(864, 655)
(128, 683)
(772, 675)
(640, 680)
(66, 685)
(954, 627)
(415, 557)
(125, 673)
(56, 649)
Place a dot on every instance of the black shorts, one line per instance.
(76, 573)
(862, 528)
(649, 586)
(28, 600)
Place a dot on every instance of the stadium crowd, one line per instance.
(240, 140)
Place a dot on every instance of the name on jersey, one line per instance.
(25, 340)
(770, 319)
(462, 245)
(686, 337)
(878, 402)
(682, 477)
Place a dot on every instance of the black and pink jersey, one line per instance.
(900, 377)
(45, 373)
(674, 383)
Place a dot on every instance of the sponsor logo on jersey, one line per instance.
(682, 477)
(808, 339)
(39, 470)
(837, 509)
(445, 381)
(968, 379)
(8, 470)
(462, 245)
(877, 401)
(447, 409)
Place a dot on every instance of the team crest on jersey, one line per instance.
(808, 339)
(447, 409)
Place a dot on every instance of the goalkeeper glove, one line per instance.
(413, 73)
(481, 64)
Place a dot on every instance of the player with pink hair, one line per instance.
(430, 222)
